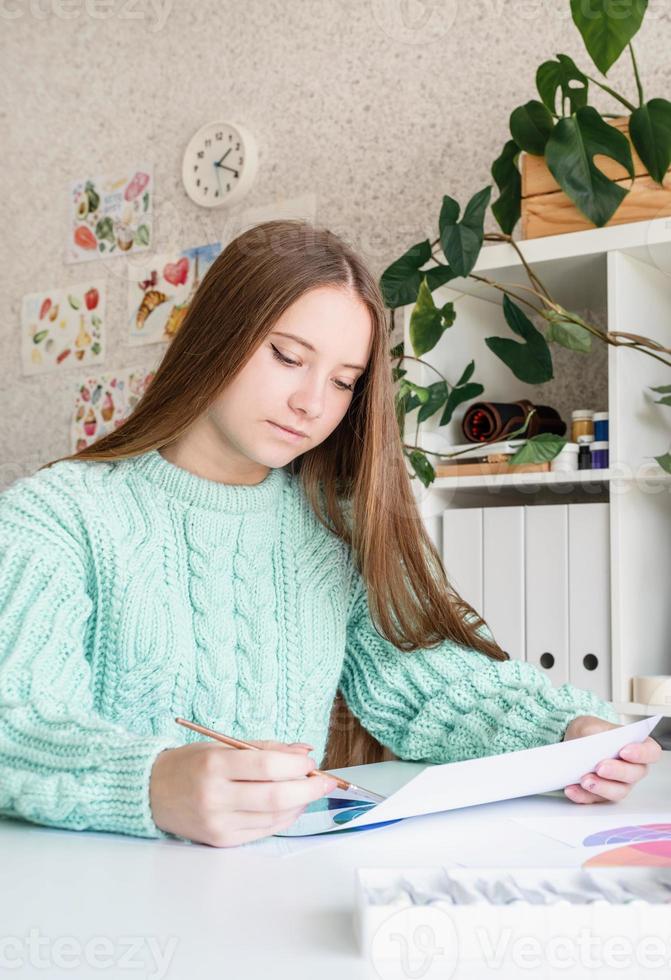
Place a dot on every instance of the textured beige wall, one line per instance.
(379, 106)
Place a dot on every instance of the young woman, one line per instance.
(245, 551)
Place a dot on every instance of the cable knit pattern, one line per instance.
(134, 591)
(449, 702)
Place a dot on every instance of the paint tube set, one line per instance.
(506, 888)
(467, 910)
(588, 448)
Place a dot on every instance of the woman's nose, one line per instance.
(309, 398)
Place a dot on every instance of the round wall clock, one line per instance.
(219, 164)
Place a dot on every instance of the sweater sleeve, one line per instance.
(61, 762)
(450, 702)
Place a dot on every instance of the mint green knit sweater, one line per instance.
(135, 591)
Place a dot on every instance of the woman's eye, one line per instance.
(281, 357)
(285, 360)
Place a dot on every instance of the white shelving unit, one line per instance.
(623, 272)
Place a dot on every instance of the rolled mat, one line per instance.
(486, 421)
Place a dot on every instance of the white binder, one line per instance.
(589, 597)
(546, 576)
(462, 552)
(503, 577)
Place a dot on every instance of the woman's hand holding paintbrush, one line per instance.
(207, 793)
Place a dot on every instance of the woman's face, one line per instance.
(285, 383)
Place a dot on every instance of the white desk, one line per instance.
(244, 913)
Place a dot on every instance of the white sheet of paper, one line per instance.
(503, 777)
(618, 827)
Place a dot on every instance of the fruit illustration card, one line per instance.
(103, 401)
(160, 291)
(63, 328)
(110, 215)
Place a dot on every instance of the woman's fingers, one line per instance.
(577, 794)
(248, 764)
(593, 788)
(643, 752)
(613, 778)
(247, 834)
(621, 772)
(279, 794)
(254, 820)
(281, 746)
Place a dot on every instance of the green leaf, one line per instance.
(464, 393)
(407, 396)
(438, 275)
(105, 229)
(564, 74)
(567, 333)
(461, 241)
(397, 373)
(437, 398)
(419, 392)
(422, 467)
(142, 235)
(666, 400)
(92, 194)
(665, 461)
(427, 322)
(607, 27)
(468, 371)
(538, 449)
(530, 126)
(74, 301)
(400, 281)
(569, 155)
(397, 350)
(650, 131)
(406, 402)
(662, 389)
(531, 362)
(507, 208)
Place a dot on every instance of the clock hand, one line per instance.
(223, 167)
(217, 163)
(219, 180)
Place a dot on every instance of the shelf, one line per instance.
(553, 478)
(640, 239)
(621, 275)
(572, 266)
(633, 708)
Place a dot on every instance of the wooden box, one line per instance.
(546, 210)
(485, 469)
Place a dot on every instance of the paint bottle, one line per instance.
(582, 423)
(584, 452)
(566, 459)
(601, 426)
(599, 455)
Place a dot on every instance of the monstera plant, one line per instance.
(568, 133)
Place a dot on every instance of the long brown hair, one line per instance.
(245, 290)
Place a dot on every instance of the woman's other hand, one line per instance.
(612, 779)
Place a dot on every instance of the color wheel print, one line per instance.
(645, 844)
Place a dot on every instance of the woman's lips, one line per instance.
(292, 436)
